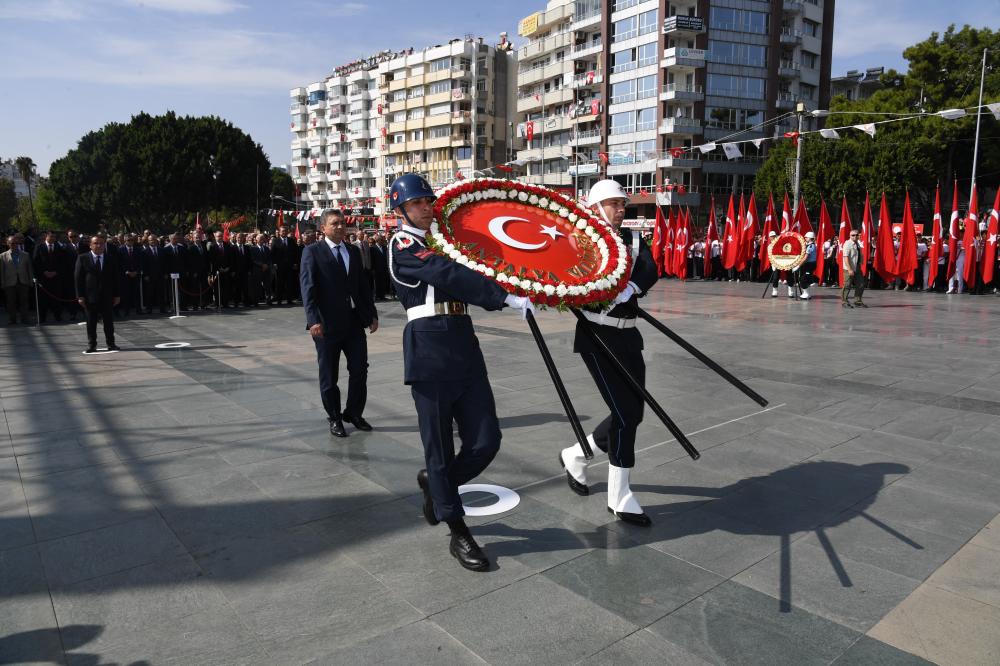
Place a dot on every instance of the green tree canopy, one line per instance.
(157, 171)
(914, 155)
(8, 202)
(282, 184)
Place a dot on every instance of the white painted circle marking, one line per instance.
(173, 345)
(100, 351)
(507, 499)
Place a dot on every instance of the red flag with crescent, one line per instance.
(990, 253)
(953, 234)
(845, 235)
(730, 240)
(906, 257)
(936, 249)
(711, 236)
(969, 239)
(770, 224)
(885, 253)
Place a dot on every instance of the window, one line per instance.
(647, 22)
(440, 132)
(317, 96)
(399, 117)
(736, 54)
(810, 28)
(417, 70)
(644, 148)
(439, 87)
(417, 91)
(645, 119)
(399, 137)
(622, 61)
(463, 153)
(646, 86)
(646, 54)
(416, 114)
(623, 4)
(725, 85)
(623, 123)
(623, 92)
(440, 64)
(807, 91)
(738, 20)
(438, 109)
(625, 29)
(399, 96)
(809, 59)
(417, 135)
(732, 119)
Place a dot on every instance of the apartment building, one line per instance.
(609, 88)
(440, 111)
(857, 85)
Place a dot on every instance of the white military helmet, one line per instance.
(606, 189)
(810, 235)
(772, 233)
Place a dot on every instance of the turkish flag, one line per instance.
(659, 240)
(590, 77)
(749, 232)
(682, 240)
(280, 219)
(529, 130)
(595, 107)
(885, 253)
(936, 248)
(730, 238)
(770, 224)
(741, 217)
(824, 234)
(969, 239)
(953, 234)
(865, 237)
(845, 234)
(298, 234)
(668, 243)
(906, 257)
(802, 225)
(711, 235)
(786, 216)
(990, 254)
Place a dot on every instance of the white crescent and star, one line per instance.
(497, 227)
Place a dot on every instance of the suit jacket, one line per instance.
(11, 275)
(328, 293)
(130, 262)
(283, 252)
(98, 287)
(220, 256)
(45, 260)
(195, 259)
(173, 259)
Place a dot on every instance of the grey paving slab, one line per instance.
(551, 623)
(734, 624)
(422, 642)
(870, 652)
(643, 647)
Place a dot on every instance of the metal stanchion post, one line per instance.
(38, 310)
(142, 305)
(218, 291)
(177, 296)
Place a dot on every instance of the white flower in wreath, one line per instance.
(543, 202)
(515, 281)
(549, 289)
(462, 259)
(455, 254)
(533, 199)
(573, 217)
(502, 278)
(563, 212)
(489, 272)
(537, 286)
(522, 196)
(581, 225)
(478, 196)
(447, 247)
(575, 290)
(512, 194)
(434, 228)
(554, 206)
(561, 290)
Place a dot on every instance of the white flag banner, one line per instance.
(829, 134)
(994, 109)
(706, 148)
(732, 151)
(867, 128)
(757, 143)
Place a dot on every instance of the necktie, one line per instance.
(337, 249)
(17, 258)
(100, 264)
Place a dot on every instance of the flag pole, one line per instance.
(979, 116)
(701, 356)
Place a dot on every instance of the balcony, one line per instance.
(790, 37)
(587, 79)
(540, 46)
(683, 57)
(587, 48)
(585, 20)
(359, 154)
(674, 198)
(461, 117)
(318, 122)
(786, 101)
(298, 109)
(683, 25)
(299, 161)
(584, 169)
(319, 158)
(316, 177)
(588, 138)
(299, 144)
(297, 126)
(688, 160)
(789, 70)
(680, 125)
(527, 100)
(317, 104)
(679, 92)
(316, 141)
(359, 174)
(339, 118)
(792, 6)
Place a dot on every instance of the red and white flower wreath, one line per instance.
(600, 289)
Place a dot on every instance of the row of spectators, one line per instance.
(250, 270)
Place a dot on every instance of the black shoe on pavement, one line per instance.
(428, 502)
(859, 304)
(846, 304)
(114, 347)
(574, 485)
(358, 422)
(640, 519)
(465, 549)
(337, 428)
(91, 349)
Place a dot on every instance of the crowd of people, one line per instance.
(949, 278)
(243, 270)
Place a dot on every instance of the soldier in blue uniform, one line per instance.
(443, 364)
(615, 435)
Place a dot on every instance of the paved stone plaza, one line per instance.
(188, 506)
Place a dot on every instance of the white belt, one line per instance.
(434, 309)
(605, 320)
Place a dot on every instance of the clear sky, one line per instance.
(70, 66)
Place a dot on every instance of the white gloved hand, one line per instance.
(625, 294)
(521, 303)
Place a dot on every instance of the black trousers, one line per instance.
(102, 310)
(48, 294)
(130, 294)
(354, 346)
(471, 406)
(615, 435)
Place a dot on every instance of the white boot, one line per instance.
(791, 292)
(574, 461)
(805, 295)
(621, 501)
(774, 292)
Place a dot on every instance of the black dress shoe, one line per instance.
(337, 428)
(428, 502)
(846, 304)
(91, 349)
(113, 347)
(358, 422)
(574, 485)
(640, 519)
(859, 304)
(465, 549)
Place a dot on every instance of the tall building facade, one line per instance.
(442, 111)
(665, 75)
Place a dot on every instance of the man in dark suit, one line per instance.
(240, 268)
(339, 306)
(261, 270)
(220, 261)
(96, 277)
(130, 262)
(68, 255)
(173, 264)
(152, 276)
(195, 270)
(47, 263)
(283, 255)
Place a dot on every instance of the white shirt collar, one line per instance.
(419, 233)
(330, 244)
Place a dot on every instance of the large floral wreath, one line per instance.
(542, 287)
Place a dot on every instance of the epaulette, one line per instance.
(403, 241)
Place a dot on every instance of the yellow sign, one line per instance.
(528, 25)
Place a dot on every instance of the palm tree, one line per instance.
(26, 168)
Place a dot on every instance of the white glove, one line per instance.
(521, 303)
(625, 294)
